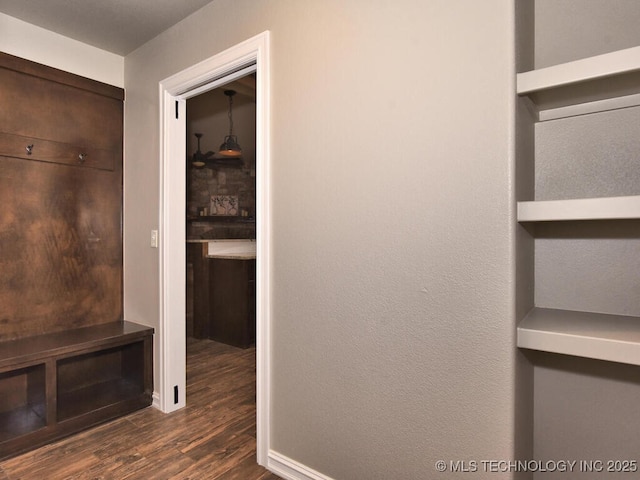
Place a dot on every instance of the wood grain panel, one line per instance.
(60, 247)
(39, 108)
(60, 223)
(232, 301)
(199, 290)
(29, 148)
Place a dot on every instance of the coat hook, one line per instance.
(29, 149)
(82, 157)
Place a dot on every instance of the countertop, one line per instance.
(233, 249)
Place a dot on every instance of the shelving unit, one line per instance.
(605, 208)
(591, 85)
(614, 338)
(56, 384)
(22, 400)
(67, 360)
(98, 379)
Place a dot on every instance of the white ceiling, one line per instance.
(118, 26)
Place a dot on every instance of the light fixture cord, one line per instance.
(230, 115)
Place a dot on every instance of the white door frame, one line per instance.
(235, 62)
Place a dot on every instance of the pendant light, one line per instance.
(200, 159)
(230, 147)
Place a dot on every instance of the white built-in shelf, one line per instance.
(591, 68)
(605, 208)
(613, 338)
(594, 84)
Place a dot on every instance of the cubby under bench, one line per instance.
(59, 383)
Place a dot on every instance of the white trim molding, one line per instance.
(246, 57)
(172, 243)
(290, 469)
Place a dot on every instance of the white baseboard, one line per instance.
(290, 469)
(156, 400)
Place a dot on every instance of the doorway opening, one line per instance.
(221, 254)
(232, 64)
(221, 214)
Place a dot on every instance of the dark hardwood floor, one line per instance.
(213, 438)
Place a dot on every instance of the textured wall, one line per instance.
(568, 30)
(588, 156)
(590, 266)
(585, 409)
(393, 335)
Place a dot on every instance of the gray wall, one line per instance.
(586, 409)
(589, 266)
(567, 30)
(393, 334)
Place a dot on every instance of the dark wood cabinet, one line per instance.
(60, 215)
(56, 384)
(223, 292)
(197, 256)
(22, 402)
(68, 360)
(232, 301)
(53, 116)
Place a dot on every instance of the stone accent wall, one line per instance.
(208, 114)
(205, 182)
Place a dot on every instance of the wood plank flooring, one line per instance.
(213, 438)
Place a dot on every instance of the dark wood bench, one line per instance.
(57, 384)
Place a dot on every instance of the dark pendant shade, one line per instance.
(230, 147)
